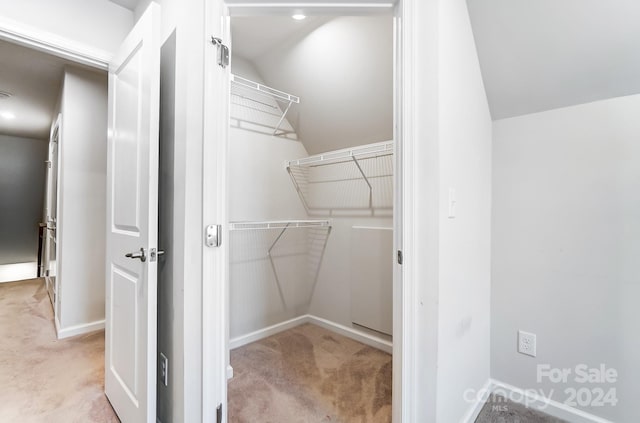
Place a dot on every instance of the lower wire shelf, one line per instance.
(285, 225)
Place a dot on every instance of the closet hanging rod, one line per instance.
(278, 224)
(347, 153)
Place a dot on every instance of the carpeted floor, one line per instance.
(309, 374)
(498, 409)
(43, 379)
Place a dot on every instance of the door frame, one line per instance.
(55, 134)
(408, 342)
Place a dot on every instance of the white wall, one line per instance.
(260, 189)
(465, 166)
(22, 181)
(566, 242)
(82, 198)
(343, 68)
(100, 24)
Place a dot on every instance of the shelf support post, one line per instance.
(355, 160)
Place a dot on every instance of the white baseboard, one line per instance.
(266, 332)
(472, 413)
(18, 272)
(78, 329)
(354, 334)
(545, 405)
(229, 372)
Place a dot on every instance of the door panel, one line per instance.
(132, 222)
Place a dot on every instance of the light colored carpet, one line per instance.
(43, 379)
(498, 409)
(308, 374)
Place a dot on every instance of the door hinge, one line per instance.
(223, 52)
(400, 257)
(213, 236)
(219, 414)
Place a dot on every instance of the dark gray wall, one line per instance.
(22, 183)
(165, 226)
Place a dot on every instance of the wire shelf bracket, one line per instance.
(283, 98)
(284, 225)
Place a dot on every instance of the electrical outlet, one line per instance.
(527, 343)
(164, 369)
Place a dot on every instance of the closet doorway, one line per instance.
(311, 193)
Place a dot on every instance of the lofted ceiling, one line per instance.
(340, 67)
(545, 54)
(34, 79)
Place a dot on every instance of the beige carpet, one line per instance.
(308, 374)
(43, 379)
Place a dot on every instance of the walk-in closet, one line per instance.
(311, 196)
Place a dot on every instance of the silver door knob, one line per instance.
(137, 255)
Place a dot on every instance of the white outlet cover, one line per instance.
(527, 343)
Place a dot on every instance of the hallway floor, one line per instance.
(43, 379)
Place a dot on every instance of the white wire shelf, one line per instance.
(284, 226)
(278, 224)
(376, 149)
(286, 100)
(334, 180)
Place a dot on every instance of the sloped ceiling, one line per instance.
(341, 68)
(545, 54)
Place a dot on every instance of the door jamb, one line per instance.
(405, 285)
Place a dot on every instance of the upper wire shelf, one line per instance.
(334, 181)
(278, 224)
(281, 97)
(376, 149)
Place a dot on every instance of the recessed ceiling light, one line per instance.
(7, 115)
(298, 16)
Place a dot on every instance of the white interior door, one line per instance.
(132, 222)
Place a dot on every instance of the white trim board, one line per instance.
(78, 329)
(545, 405)
(351, 333)
(474, 410)
(48, 42)
(18, 272)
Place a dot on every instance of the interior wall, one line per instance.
(100, 24)
(185, 19)
(22, 184)
(566, 242)
(82, 198)
(465, 137)
(260, 189)
(166, 203)
(342, 68)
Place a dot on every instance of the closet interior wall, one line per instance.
(311, 271)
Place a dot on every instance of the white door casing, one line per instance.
(132, 222)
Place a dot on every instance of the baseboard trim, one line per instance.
(474, 411)
(545, 405)
(356, 335)
(78, 329)
(266, 332)
(229, 372)
(18, 272)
